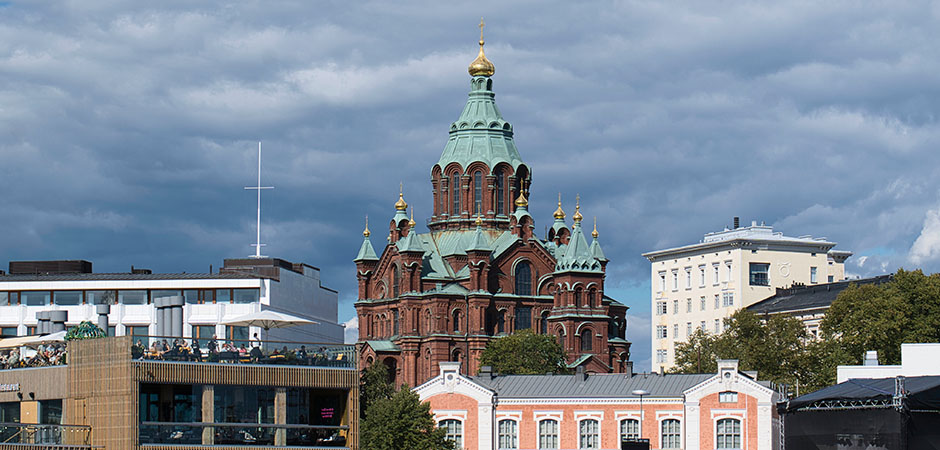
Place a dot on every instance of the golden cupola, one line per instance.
(577, 217)
(559, 213)
(481, 66)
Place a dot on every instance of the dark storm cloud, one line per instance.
(128, 132)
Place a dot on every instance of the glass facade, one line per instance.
(34, 298)
(245, 296)
(132, 297)
(67, 298)
(100, 297)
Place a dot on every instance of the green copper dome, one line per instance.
(480, 133)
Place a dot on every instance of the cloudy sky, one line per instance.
(128, 133)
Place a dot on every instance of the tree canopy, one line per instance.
(374, 385)
(402, 422)
(524, 353)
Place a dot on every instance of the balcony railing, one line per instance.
(235, 351)
(35, 434)
(250, 434)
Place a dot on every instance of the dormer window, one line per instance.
(728, 397)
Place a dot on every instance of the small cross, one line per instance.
(482, 24)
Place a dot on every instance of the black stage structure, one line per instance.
(866, 414)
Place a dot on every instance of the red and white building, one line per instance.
(725, 410)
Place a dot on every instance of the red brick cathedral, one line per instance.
(481, 272)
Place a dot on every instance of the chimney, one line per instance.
(871, 358)
(737, 223)
(580, 374)
(486, 372)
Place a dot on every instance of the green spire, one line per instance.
(578, 256)
(480, 133)
(366, 252)
(479, 241)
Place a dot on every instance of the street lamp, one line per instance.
(641, 393)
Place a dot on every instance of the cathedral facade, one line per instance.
(480, 272)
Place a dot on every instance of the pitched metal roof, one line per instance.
(809, 297)
(592, 386)
(383, 346)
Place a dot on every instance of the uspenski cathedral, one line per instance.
(480, 272)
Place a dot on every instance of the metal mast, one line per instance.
(257, 245)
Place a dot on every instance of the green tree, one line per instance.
(698, 354)
(524, 353)
(402, 422)
(374, 385)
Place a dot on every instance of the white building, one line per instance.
(206, 300)
(916, 360)
(699, 285)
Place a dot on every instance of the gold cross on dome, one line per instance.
(482, 24)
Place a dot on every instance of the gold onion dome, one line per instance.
(481, 66)
(366, 232)
(400, 205)
(412, 223)
(594, 233)
(521, 201)
(479, 220)
(559, 213)
(577, 211)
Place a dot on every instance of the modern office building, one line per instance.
(724, 410)
(809, 303)
(141, 303)
(109, 394)
(699, 285)
(481, 271)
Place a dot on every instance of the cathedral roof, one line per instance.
(366, 252)
(578, 256)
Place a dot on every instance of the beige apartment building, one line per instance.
(699, 285)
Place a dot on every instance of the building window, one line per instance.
(661, 308)
(455, 195)
(500, 321)
(8, 331)
(588, 434)
(727, 299)
(38, 298)
(715, 270)
(702, 325)
(507, 434)
(548, 434)
(675, 331)
(132, 297)
(730, 271)
(523, 318)
(67, 298)
(395, 322)
(586, 341)
(246, 295)
(701, 274)
(500, 192)
(591, 295)
(688, 305)
(237, 334)
(456, 321)
(543, 327)
(523, 278)
(812, 275)
(688, 278)
(660, 332)
(661, 356)
(453, 431)
(204, 333)
(139, 332)
(99, 297)
(759, 274)
(396, 280)
(577, 297)
(671, 434)
(675, 280)
(728, 397)
(662, 281)
(717, 326)
(717, 301)
(688, 329)
(675, 306)
(831, 278)
(629, 429)
(478, 192)
(702, 303)
(728, 434)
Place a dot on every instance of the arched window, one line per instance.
(453, 431)
(671, 434)
(548, 434)
(500, 322)
(396, 280)
(395, 322)
(456, 321)
(455, 194)
(728, 433)
(500, 192)
(543, 327)
(478, 192)
(588, 434)
(577, 297)
(523, 278)
(586, 341)
(629, 429)
(441, 198)
(591, 296)
(508, 435)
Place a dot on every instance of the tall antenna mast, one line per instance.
(257, 245)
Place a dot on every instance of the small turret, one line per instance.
(366, 252)
(559, 233)
(596, 246)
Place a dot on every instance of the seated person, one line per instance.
(302, 353)
(242, 351)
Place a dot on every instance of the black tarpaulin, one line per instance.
(923, 393)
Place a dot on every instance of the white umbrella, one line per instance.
(267, 319)
(58, 336)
